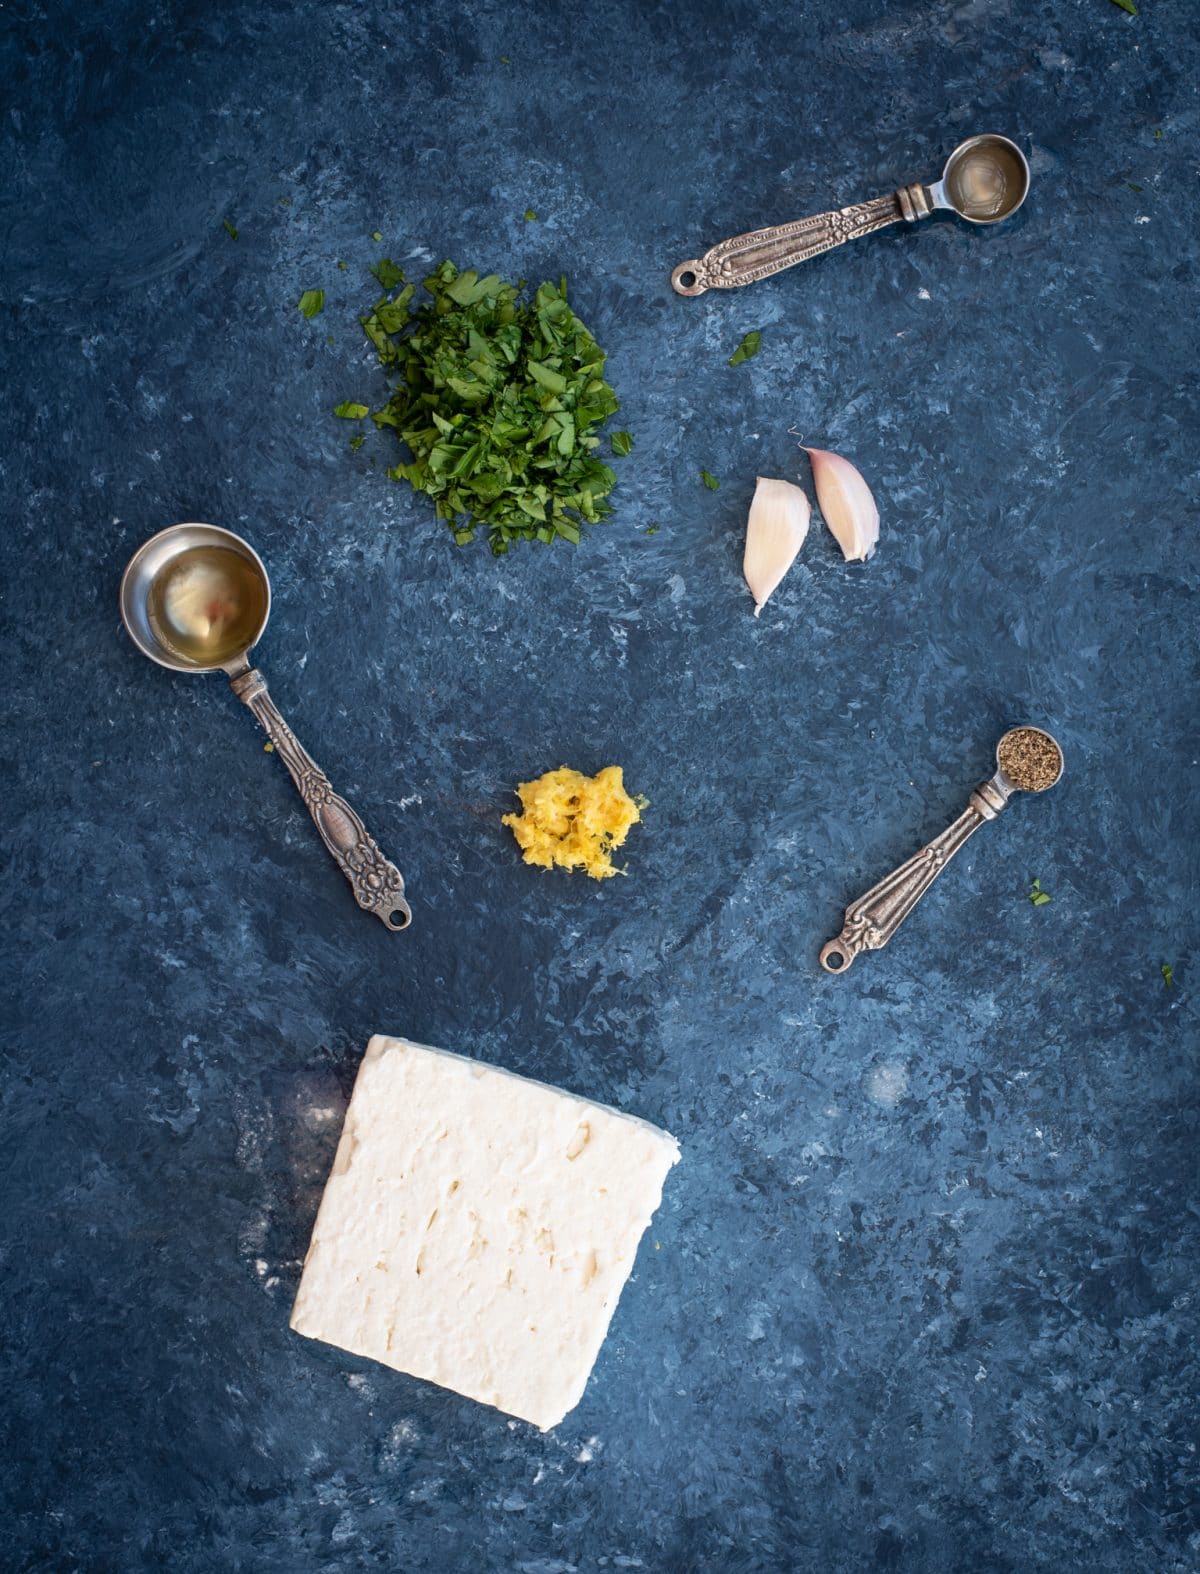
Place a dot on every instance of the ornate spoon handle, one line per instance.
(875, 917)
(377, 884)
(747, 258)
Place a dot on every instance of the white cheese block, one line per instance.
(477, 1228)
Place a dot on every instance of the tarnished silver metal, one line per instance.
(985, 180)
(874, 918)
(377, 884)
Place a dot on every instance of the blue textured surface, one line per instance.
(922, 1294)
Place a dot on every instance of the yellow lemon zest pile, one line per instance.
(574, 821)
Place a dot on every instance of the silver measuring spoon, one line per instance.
(195, 598)
(986, 179)
(1028, 759)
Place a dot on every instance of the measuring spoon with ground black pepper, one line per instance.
(1028, 759)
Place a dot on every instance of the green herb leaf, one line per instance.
(1168, 973)
(388, 274)
(504, 60)
(356, 442)
(530, 215)
(1127, 5)
(1132, 187)
(1037, 896)
(710, 481)
(548, 377)
(312, 302)
(349, 411)
(376, 234)
(285, 202)
(498, 401)
(229, 229)
(343, 266)
(652, 530)
(621, 442)
(1158, 133)
(749, 346)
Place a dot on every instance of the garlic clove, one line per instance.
(775, 532)
(847, 504)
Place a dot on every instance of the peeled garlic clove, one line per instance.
(775, 532)
(846, 502)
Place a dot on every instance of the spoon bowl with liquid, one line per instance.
(986, 179)
(196, 598)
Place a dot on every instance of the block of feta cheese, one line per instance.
(477, 1228)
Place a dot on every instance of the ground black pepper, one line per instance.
(1030, 759)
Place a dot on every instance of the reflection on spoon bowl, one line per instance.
(196, 598)
(986, 179)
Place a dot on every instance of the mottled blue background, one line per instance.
(922, 1295)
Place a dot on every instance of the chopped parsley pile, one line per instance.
(498, 400)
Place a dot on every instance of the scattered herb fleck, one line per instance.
(285, 202)
(652, 530)
(229, 229)
(1127, 5)
(329, 339)
(530, 215)
(749, 346)
(356, 442)
(1037, 896)
(1132, 187)
(710, 481)
(621, 442)
(312, 302)
(499, 400)
(1168, 973)
(1158, 133)
(504, 60)
(343, 266)
(349, 411)
(376, 234)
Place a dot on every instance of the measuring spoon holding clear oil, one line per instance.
(986, 179)
(196, 598)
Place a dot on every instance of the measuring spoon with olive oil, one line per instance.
(196, 598)
(986, 179)
(207, 605)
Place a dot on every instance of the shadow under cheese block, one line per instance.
(478, 1227)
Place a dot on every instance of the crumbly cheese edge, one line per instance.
(380, 1043)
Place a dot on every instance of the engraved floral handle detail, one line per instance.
(874, 918)
(377, 884)
(745, 259)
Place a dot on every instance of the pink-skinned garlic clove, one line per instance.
(846, 503)
(775, 532)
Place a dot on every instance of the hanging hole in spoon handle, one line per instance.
(686, 278)
(835, 956)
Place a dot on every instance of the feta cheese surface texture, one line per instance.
(477, 1228)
